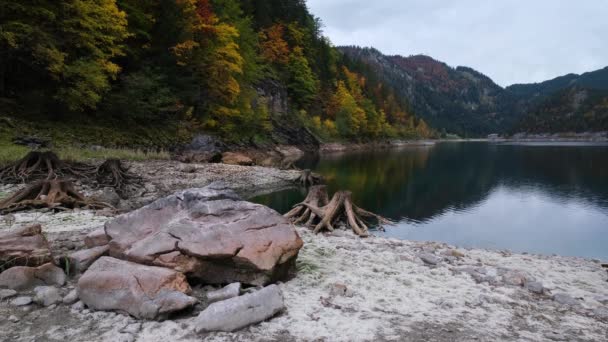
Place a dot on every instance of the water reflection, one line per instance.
(480, 194)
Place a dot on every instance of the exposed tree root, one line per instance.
(113, 174)
(53, 194)
(308, 178)
(38, 165)
(317, 196)
(340, 209)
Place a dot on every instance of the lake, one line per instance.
(546, 198)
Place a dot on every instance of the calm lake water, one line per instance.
(539, 197)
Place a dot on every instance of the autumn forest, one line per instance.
(203, 62)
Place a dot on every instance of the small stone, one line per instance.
(535, 287)
(429, 259)
(7, 293)
(565, 299)
(555, 336)
(109, 196)
(514, 278)
(81, 260)
(52, 306)
(227, 292)
(21, 301)
(601, 299)
(47, 295)
(13, 318)
(601, 313)
(51, 274)
(96, 238)
(339, 289)
(71, 297)
(78, 306)
(133, 328)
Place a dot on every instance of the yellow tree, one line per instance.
(209, 47)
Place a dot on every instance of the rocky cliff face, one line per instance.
(464, 101)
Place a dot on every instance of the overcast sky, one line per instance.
(512, 41)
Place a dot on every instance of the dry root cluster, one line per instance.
(323, 214)
(50, 182)
(41, 165)
(53, 194)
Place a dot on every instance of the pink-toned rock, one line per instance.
(81, 260)
(235, 158)
(210, 234)
(25, 246)
(145, 292)
(96, 238)
(24, 277)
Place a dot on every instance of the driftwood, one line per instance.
(53, 194)
(38, 165)
(323, 214)
(308, 178)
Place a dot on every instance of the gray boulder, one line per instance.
(236, 313)
(227, 292)
(81, 260)
(210, 234)
(145, 292)
(46, 295)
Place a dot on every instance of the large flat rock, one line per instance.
(25, 246)
(146, 292)
(209, 234)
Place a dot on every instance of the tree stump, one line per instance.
(53, 194)
(339, 209)
(112, 173)
(38, 165)
(308, 178)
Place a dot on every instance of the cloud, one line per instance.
(512, 41)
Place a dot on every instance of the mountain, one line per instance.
(464, 101)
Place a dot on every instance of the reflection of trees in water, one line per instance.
(422, 183)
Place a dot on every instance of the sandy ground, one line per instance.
(391, 295)
(347, 288)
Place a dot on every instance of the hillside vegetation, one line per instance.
(464, 101)
(240, 69)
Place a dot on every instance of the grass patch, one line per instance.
(80, 154)
(10, 152)
(72, 141)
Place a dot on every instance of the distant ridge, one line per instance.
(465, 101)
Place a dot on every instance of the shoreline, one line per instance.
(347, 288)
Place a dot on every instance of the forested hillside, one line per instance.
(239, 69)
(464, 101)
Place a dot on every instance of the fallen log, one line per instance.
(53, 194)
(316, 208)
